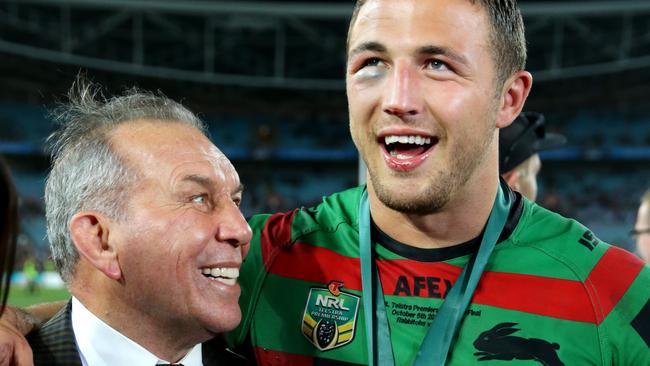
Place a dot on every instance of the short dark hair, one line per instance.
(8, 230)
(507, 36)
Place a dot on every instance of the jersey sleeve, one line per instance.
(626, 328)
(251, 271)
(271, 233)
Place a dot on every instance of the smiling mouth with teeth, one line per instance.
(406, 147)
(225, 275)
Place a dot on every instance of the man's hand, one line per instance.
(14, 349)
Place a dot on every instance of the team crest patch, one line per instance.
(330, 316)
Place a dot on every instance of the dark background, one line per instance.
(268, 79)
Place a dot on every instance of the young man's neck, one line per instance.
(461, 220)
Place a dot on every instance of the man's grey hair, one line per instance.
(87, 174)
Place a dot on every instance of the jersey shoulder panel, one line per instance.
(613, 281)
(565, 241)
(574, 248)
(336, 209)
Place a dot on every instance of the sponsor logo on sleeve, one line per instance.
(588, 240)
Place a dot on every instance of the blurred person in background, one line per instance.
(8, 231)
(32, 273)
(519, 147)
(641, 230)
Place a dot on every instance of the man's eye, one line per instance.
(371, 62)
(370, 68)
(200, 199)
(437, 65)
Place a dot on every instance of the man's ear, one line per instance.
(512, 178)
(90, 233)
(514, 95)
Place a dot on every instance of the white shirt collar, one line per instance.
(101, 345)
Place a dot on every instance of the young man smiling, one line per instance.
(436, 261)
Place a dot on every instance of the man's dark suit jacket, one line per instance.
(54, 345)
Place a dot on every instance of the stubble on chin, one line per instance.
(440, 186)
(412, 200)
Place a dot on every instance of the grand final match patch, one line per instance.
(330, 316)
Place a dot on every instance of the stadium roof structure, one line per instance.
(290, 45)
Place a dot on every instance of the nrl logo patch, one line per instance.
(330, 316)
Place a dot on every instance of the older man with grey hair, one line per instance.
(145, 228)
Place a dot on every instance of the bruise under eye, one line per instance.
(371, 70)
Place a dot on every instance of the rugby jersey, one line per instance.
(551, 294)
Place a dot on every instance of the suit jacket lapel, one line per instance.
(215, 353)
(54, 344)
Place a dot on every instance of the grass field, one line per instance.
(19, 296)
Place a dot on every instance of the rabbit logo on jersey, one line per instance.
(330, 316)
(498, 344)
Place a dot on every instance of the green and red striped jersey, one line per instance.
(551, 294)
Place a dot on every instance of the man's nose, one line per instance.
(403, 96)
(232, 227)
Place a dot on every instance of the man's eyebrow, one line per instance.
(444, 51)
(240, 189)
(368, 46)
(202, 180)
(208, 183)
